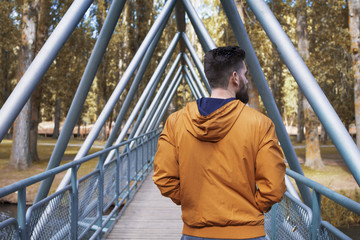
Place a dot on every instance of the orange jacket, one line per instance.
(225, 169)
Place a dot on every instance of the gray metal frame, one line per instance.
(40, 65)
(265, 93)
(309, 86)
(125, 166)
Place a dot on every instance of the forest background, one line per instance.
(319, 29)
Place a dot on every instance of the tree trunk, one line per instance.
(253, 92)
(20, 156)
(303, 48)
(57, 117)
(41, 8)
(300, 117)
(312, 155)
(354, 10)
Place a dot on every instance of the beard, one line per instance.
(243, 94)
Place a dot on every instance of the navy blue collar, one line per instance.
(208, 105)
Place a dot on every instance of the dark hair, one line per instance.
(220, 63)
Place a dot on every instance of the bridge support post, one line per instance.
(81, 94)
(190, 81)
(168, 100)
(264, 90)
(163, 100)
(21, 211)
(74, 203)
(316, 215)
(197, 61)
(40, 65)
(160, 93)
(204, 37)
(309, 86)
(195, 76)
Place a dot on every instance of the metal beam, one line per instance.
(190, 81)
(180, 23)
(195, 76)
(160, 93)
(163, 101)
(33, 75)
(264, 90)
(152, 82)
(309, 86)
(171, 95)
(85, 147)
(81, 93)
(204, 37)
(197, 61)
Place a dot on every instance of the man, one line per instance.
(220, 159)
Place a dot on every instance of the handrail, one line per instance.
(319, 190)
(336, 197)
(39, 177)
(107, 192)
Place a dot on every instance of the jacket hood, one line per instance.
(215, 126)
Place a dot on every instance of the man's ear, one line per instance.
(235, 78)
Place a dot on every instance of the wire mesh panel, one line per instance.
(123, 171)
(289, 219)
(132, 164)
(9, 229)
(109, 184)
(50, 218)
(329, 232)
(88, 202)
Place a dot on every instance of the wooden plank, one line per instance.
(149, 216)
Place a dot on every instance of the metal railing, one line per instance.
(292, 219)
(78, 210)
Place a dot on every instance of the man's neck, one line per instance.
(221, 93)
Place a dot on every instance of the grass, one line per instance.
(10, 175)
(335, 175)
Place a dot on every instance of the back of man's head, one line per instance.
(220, 63)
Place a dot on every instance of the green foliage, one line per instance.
(9, 47)
(329, 61)
(336, 214)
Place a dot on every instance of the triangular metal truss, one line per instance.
(149, 111)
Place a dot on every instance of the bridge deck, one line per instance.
(149, 216)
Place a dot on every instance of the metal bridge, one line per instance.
(92, 206)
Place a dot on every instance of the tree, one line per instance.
(312, 156)
(20, 156)
(253, 93)
(9, 42)
(354, 25)
(41, 36)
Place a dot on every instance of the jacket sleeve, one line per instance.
(270, 170)
(166, 166)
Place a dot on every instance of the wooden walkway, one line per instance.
(149, 216)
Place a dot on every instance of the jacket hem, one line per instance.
(226, 232)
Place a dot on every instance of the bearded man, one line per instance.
(220, 159)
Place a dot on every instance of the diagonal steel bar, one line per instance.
(160, 93)
(197, 61)
(157, 74)
(195, 76)
(190, 81)
(85, 147)
(206, 42)
(40, 65)
(168, 100)
(152, 82)
(163, 101)
(81, 93)
(309, 86)
(264, 90)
